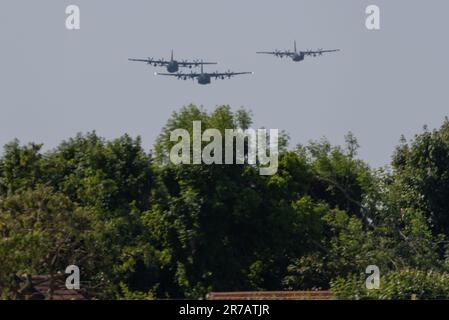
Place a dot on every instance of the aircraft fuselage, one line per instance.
(298, 57)
(204, 79)
(173, 66)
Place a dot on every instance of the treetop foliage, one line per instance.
(141, 228)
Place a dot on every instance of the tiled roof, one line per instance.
(40, 290)
(271, 295)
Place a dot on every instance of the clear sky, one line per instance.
(55, 83)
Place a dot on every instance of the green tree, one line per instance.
(19, 167)
(43, 232)
(422, 175)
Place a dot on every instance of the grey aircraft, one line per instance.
(297, 55)
(203, 77)
(172, 65)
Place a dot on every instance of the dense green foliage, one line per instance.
(400, 285)
(140, 227)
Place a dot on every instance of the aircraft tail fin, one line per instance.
(295, 46)
(172, 55)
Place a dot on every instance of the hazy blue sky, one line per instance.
(55, 83)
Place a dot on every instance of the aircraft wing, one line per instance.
(183, 76)
(151, 61)
(193, 63)
(224, 75)
(280, 54)
(319, 52)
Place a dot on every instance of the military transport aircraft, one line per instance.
(203, 77)
(172, 65)
(297, 56)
